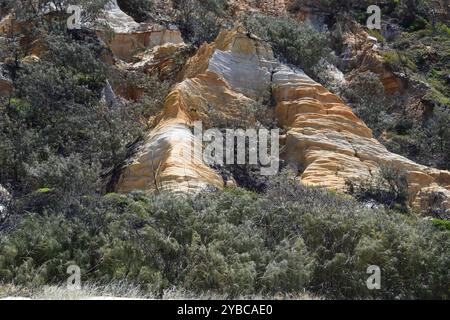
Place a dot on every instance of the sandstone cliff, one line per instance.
(130, 36)
(325, 141)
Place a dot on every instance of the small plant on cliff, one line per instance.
(138, 9)
(289, 239)
(298, 43)
(199, 21)
(389, 187)
(366, 95)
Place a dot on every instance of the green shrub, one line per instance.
(397, 61)
(444, 224)
(377, 34)
(299, 43)
(199, 21)
(233, 243)
(389, 187)
(365, 94)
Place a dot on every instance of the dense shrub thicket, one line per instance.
(298, 43)
(233, 242)
(140, 10)
(366, 95)
(199, 20)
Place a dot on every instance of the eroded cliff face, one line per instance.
(361, 54)
(204, 95)
(161, 164)
(129, 36)
(326, 143)
(222, 81)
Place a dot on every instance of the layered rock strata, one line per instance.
(6, 85)
(130, 36)
(326, 142)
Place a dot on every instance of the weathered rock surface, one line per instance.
(326, 142)
(167, 161)
(244, 62)
(310, 11)
(161, 163)
(130, 36)
(203, 95)
(160, 61)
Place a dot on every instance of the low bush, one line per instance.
(199, 21)
(389, 187)
(365, 94)
(57, 132)
(233, 243)
(298, 43)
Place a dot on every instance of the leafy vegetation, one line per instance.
(57, 127)
(422, 57)
(299, 43)
(232, 243)
(412, 15)
(199, 21)
(425, 143)
(389, 187)
(442, 224)
(139, 10)
(366, 96)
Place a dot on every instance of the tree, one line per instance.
(365, 94)
(437, 137)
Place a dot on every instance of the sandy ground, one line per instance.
(119, 291)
